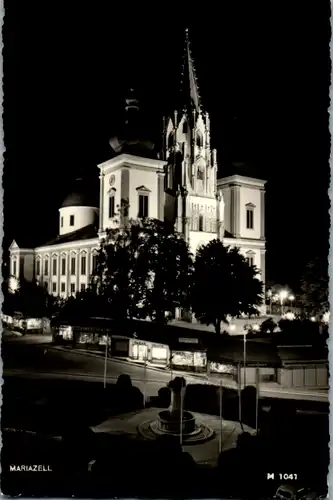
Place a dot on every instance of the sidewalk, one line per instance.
(267, 389)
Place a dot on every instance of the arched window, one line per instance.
(170, 140)
(199, 139)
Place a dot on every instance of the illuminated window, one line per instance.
(112, 206)
(159, 353)
(143, 205)
(71, 220)
(83, 265)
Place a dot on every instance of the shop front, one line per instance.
(146, 351)
(188, 354)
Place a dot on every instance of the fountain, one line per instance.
(176, 421)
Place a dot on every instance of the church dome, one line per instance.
(81, 196)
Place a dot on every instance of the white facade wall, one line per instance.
(250, 196)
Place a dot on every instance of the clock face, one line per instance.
(112, 179)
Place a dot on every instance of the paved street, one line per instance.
(24, 355)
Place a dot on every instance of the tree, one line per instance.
(224, 285)
(165, 266)
(144, 270)
(314, 287)
(30, 299)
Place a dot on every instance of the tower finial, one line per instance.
(189, 81)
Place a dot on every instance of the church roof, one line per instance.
(81, 196)
(85, 233)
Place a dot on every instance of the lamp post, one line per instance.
(244, 356)
(283, 294)
(291, 299)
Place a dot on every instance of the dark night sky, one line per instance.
(263, 71)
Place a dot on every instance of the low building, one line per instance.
(303, 367)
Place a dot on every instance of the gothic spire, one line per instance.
(189, 85)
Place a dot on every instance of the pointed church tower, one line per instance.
(192, 201)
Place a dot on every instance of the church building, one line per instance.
(181, 184)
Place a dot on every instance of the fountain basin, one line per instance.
(171, 424)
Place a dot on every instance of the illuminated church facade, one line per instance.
(181, 184)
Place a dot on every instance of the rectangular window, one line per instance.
(63, 266)
(73, 262)
(94, 263)
(54, 267)
(83, 265)
(249, 218)
(14, 267)
(38, 267)
(46, 285)
(62, 222)
(111, 206)
(54, 287)
(201, 221)
(143, 206)
(250, 261)
(82, 287)
(63, 287)
(71, 220)
(72, 287)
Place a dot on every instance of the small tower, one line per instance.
(192, 201)
(79, 209)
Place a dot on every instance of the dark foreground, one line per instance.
(47, 422)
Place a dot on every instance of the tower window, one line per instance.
(38, 267)
(201, 223)
(83, 265)
(73, 262)
(250, 261)
(61, 221)
(71, 220)
(249, 218)
(46, 267)
(54, 267)
(63, 266)
(111, 206)
(143, 205)
(199, 140)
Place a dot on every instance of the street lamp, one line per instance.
(283, 294)
(244, 356)
(291, 299)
